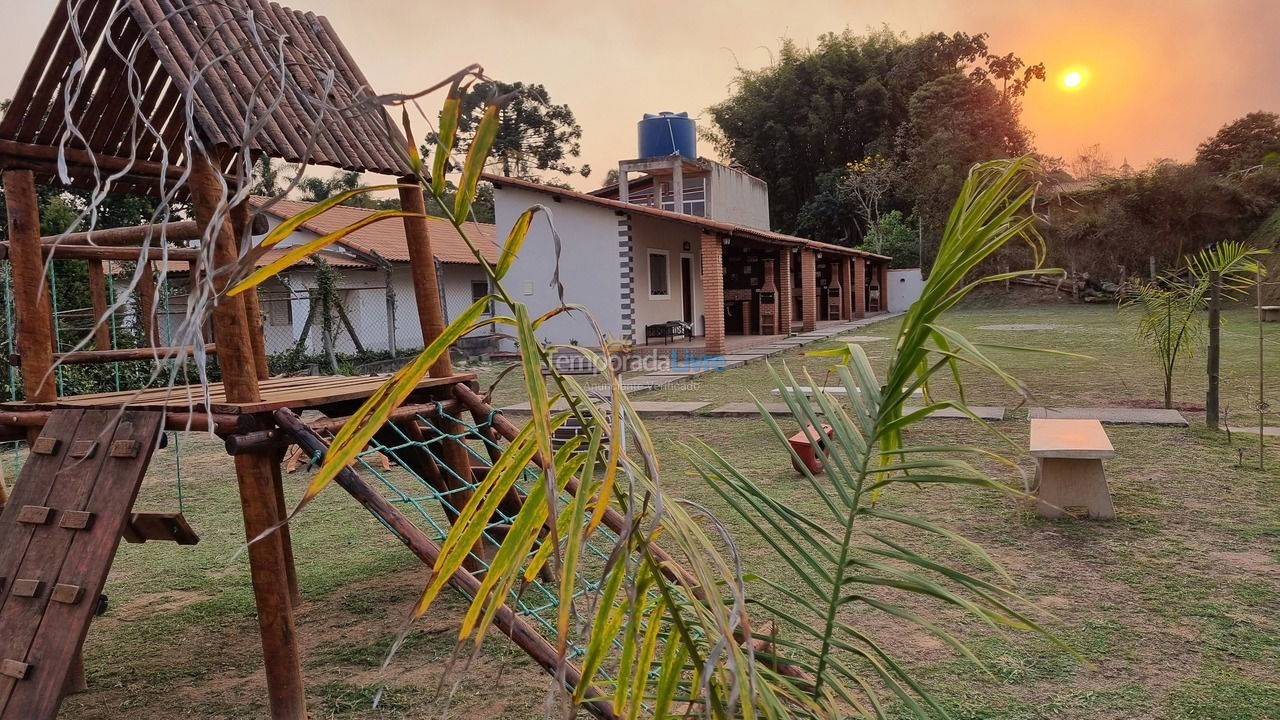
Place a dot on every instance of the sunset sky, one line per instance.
(1157, 77)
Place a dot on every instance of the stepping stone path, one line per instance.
(839, 391)
(744, 357)
(860, 338)
(1268, 431)
(1023, 326)
(1113, 416)
(646, 408)
(747, 409)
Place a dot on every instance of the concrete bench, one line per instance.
(1270, 313)
(1069, 476)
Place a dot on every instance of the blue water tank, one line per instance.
(668, 133)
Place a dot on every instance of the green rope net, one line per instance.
(430, 506)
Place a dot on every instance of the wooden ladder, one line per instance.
(58, 536)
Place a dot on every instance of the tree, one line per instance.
(1242, 143)
(1091, 163)
(953, 123)
(266, 177)
(1170, 323)
(315, 189)
(897, 237)
(814, 111)
(830, 214)
(534, 134)
(868, 183)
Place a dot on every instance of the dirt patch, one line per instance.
(151, 604)
(1252, 561)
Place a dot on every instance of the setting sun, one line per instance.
(1072, 79)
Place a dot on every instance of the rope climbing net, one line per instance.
(435, 492)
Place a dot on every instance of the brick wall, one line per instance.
(846, 288)
(859, 287)
(713, 293)
(785, 311)
(808, 289)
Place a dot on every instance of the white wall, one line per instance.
(904, 288)
(651, 233)
(590, 264)
(737, 197)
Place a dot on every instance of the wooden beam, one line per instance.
(276, 437)
(426, 289)
(221, 423)
(98, 357)
(122, 254)
(15, 154)
(175, 231)
(32, 307)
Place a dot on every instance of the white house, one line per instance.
(699, 267)
(376, 309)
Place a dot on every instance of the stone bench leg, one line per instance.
(1074, 488)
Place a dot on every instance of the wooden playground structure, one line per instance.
(213, 87)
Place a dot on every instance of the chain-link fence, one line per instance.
(314, 319)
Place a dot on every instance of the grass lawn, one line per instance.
(1176, 605)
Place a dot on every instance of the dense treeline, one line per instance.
(1118, 222)
(865, 139)
(862, 125)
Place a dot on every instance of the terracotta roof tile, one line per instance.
(386, 238)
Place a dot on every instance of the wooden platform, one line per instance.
(296, 393)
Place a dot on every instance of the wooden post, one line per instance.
(98, 296)
(269, 564)
(422, 266)
(1215, 325)
(252, 308)
(32, 309)
(426, 290)
(147, 305)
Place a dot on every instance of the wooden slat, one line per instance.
(108, 495)
(291, 392)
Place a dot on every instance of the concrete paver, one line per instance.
(1113, 416)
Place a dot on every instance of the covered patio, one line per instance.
(703, 288)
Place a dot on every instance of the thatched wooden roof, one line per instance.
(133, 78)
